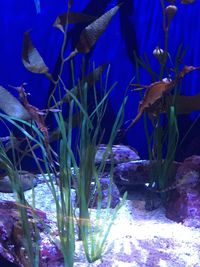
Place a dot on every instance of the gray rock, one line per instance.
(132, 173)
(184, 204)
(189, 165)
(137, 172)
(115, 195)
(120, 153)
(12, 240)
(26, 179)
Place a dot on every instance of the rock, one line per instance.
(184, 204)
(184, 207)
(189, 164)
(132, 173)
(115, 195)
(12, 241)
(26, 179)
(137, 172)
(121, 153)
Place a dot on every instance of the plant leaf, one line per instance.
(11, 106)
(92, 32)
(93, 76)
(90, 79)
(187, 2)
(184, 104)
(31, 57)
(56, 134)
(72, 18)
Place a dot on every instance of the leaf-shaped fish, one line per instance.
(93, 31)
(72, 18)
(156, 91)
(11, 106)
(31, 57)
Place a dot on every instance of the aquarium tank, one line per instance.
(99, 131)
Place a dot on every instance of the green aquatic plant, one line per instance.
(92, 233)
(162, 107)
(69, 164)
(30, 243)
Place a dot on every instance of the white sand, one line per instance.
(137, 238)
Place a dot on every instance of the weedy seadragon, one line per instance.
(155, 91)
(37, 115)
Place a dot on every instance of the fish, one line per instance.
(156, 91)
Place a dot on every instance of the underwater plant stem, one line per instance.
(145, 117)
(166, 41)
(61, 56)
(13, 175)
(191, 126)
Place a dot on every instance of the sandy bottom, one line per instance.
(137, 238)
(141, 238)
